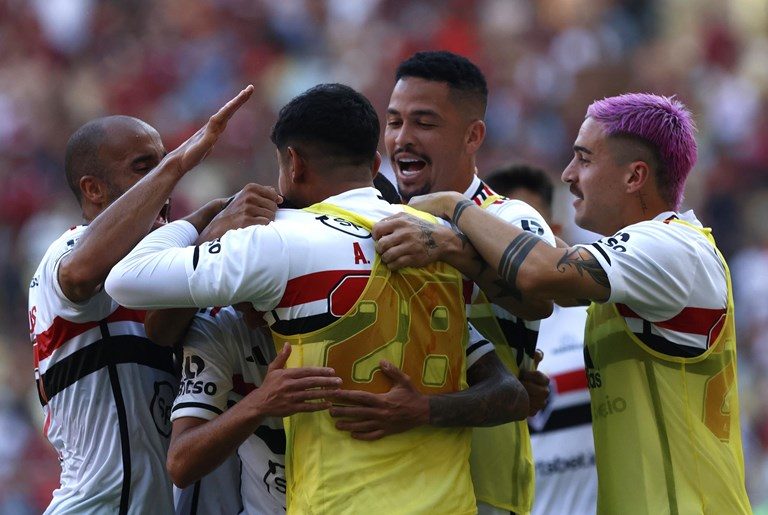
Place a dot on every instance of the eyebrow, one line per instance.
(417, 112)
(579, 148)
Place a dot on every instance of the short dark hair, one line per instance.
(334, 117)
(82, 154)
(516, 176)
(461, 74)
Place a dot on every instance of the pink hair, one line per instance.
(663, 123)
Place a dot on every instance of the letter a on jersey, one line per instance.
(359, 256)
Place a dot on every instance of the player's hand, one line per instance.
(253, 205)
(190, 153)
(404, 240)
(441, 204)
(536, 383)
(286, 391)
(373, 416)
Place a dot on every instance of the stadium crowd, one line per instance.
(172, 63)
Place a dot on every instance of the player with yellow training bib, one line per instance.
(660, 340)
(397, 340)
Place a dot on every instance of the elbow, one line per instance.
(519, 405)
(118, 289)
(79, 283)
(177, 470)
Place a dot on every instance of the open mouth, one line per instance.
(411, 165)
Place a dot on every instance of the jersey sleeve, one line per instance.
(522, 215)
(207, 368)
(650, 268)
(250, 264)
(477, 346)
(154, 274)
(95, 308)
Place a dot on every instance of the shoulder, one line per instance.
(656, 237)
(63, 244)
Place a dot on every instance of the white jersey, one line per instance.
(520, 333)
(561, 433)
(106, 392)
(667, 282)
(217, 493)
(224, 360)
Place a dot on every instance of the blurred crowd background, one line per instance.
(172, 63)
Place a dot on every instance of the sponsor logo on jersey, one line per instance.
(610, 406)
(532, 226)
(559, 465)
(345, 226)
(193, 367)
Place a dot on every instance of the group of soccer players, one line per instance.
(399, 363)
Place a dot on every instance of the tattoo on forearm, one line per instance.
(459, 210)
(582, 261)
(512, 259)
(493, 400)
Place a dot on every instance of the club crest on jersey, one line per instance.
(160, 407)
(345, 226)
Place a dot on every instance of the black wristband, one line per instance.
(460, 207)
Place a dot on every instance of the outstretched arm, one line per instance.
(117, 230)
(199, 446)
(405, 240)
(253, 205)
(524, 263)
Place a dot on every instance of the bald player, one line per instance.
(106, 390)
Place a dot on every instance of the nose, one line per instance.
(569, 174)
(404, 136)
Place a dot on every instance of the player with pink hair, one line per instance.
(660, 345)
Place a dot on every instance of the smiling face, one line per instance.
(429, 138)
(598, 181)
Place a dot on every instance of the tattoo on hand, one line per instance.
(460, 207)
(427, 234)
(582, 261)
(512, 259)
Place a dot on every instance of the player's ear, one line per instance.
(297, 163)
(638, 174)
(376, 165)
(475, 136)
(93, 189)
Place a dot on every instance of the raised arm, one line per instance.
(526, 264)
(405, 240)
(117, 230)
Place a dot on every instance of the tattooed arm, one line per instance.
(527, 266)
(405, 240)
(494, 397)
